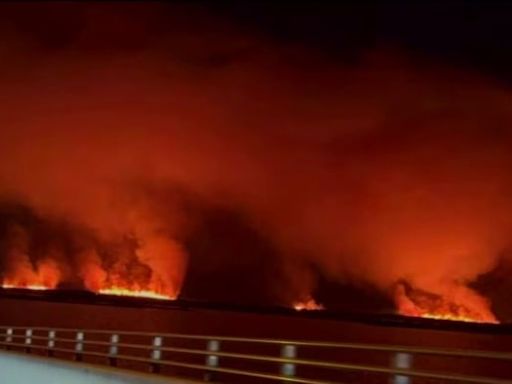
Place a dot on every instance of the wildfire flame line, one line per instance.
(114, 290)
(451, 317)
(470, 307)
(120, 291)
(35, 287)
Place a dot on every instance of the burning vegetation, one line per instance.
(135, 292)
(309, 304)
(382, 171)
(42, 253)
(461, 304)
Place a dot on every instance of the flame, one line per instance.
(43, 276)
(135, 293)
(121, 291)
(115, 290)
(456, 317)
(309, 304)
(462, 305)
(35, 287)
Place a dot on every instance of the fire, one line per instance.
(115, 290)
(45, 275)
(461, 304)
(120, 291)
(456, 317)
(309, 304)
(35, 287)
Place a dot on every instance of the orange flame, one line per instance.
(457, 317)
(308, 304)
(34, 287)
(114, 290)
(45, 275)
(121, 291)
(466, 305)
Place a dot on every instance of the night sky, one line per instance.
(472, 34)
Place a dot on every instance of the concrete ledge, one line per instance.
(20, 368)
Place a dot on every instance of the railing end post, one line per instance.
(79, 346)
(28, 339)
(51, 342)
(113, 350)
(9, 332)
(288, 351)
(212, 359)
(403, 361)
(156, 354)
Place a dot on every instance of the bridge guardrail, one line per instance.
(81, 343)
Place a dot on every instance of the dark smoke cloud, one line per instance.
(392, 169)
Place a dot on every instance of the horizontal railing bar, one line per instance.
(14, 336)
(177, 364)
(348, 367)
(372, 347)
(331, 365)
(85, 342)
(243, 373)
(54, 349)
(270, 359)
(45, 338)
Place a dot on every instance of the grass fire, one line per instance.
(181, 159)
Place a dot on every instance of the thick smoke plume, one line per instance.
(392, 169)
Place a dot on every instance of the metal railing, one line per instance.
(283, 366)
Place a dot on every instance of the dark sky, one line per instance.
(476, 34)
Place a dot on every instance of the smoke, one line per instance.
(392, 169)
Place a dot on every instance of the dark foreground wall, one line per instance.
(209, 321)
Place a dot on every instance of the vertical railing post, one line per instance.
(113, 350)
(79, 346)
(156, 354)
(8, 336)
(51, 342)
(401, 360)
(288, 351)
(28, 339)
(212, 359)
